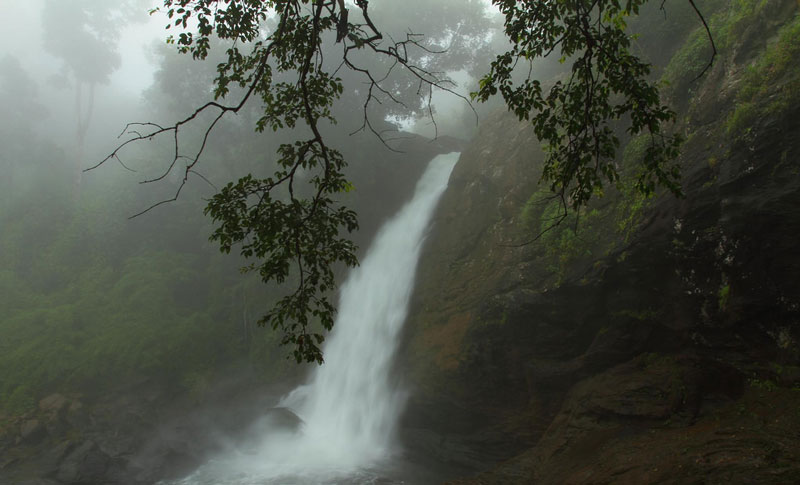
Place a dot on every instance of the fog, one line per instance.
(137, 343)
(98, 310)
(75, 73)
(23, 31)
(137, 40)
(23, 38)
(132, 348)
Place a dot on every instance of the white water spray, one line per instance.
(349, 407)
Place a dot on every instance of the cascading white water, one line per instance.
(349, 407)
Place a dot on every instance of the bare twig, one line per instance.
(359, 36)
(710, 38)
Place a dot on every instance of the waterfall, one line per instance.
(349, 407)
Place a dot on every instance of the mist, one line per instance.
(147, 254)
(113, 324)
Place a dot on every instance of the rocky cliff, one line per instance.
(652, 340)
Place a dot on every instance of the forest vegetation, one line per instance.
(628, 133)
(91, 297)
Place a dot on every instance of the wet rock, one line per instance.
(54, 403)
(635, 333)
(789, 376)
(283, 419)
(55, 410)
(165, 460)
(7, 462)
(278, 420)
(443, 449)
(52, 458)
(7, 435)
(85, 464)
(31, 432)
(78, 416)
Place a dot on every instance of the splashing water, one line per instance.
(349, 408)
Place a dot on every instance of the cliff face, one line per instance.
(656, 341)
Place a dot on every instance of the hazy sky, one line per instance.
(21, 36)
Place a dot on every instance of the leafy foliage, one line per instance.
(736, 22)
(277, 233)
(776, 67)
(684, 66)
(90, 301)
(575, 116)
(94, 30)
(106, 318)
(279, 55)
(607, 224)
(291, 222)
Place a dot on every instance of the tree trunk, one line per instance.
(84, 117)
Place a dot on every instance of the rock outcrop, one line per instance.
(657, 342)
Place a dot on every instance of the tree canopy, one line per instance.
(294, 59)
(606, 82)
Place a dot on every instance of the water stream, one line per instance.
(349, 408)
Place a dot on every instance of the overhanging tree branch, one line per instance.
(710, 39)
(296, 233)
(295, 236)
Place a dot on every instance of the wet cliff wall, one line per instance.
(656, 340)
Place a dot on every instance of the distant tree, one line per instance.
(19, 97)
(84, 34)
(291, 58)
